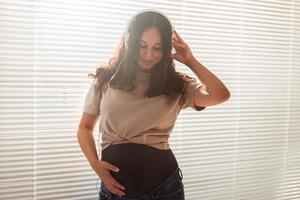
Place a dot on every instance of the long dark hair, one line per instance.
(164, 78)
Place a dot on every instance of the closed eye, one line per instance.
(145, 46)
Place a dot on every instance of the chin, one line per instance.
(146, 68)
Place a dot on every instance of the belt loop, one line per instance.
(180, 174)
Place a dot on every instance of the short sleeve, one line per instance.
(92, 100)
(188, 97)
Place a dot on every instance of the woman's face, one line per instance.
(150, 49)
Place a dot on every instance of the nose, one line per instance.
(148, 55)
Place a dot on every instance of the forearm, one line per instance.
(87, 145)
(214, 85)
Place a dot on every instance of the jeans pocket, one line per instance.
(171, 191)
(172, 195)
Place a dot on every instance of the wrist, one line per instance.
(93, 163)
(189, 62)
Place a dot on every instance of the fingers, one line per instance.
(178, 37)
(178, 45)
(113, 185)
(114, 190)
(110, 178)
(110, 166)
(114, 182)
(174, 38)
(178, 41)
(178, 48)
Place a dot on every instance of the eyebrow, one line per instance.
(154, 44)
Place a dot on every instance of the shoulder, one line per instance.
(185, 78)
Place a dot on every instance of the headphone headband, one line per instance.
(151, 10)
(126, 36)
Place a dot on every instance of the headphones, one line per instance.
(127, 34)
(133, 18)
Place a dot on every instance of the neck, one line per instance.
(139, 69)
(143, 76)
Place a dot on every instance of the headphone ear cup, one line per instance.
(126, 36)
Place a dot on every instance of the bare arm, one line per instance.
(218, 92)
(86, 139)
(87, 144)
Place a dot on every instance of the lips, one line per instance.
(147, 62)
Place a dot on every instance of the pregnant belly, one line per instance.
(141, 167)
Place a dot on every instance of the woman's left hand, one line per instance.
(183, 52)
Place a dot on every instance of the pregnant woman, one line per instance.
(137, 96)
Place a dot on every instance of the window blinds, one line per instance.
(246, 148)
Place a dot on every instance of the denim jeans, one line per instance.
(170, 189)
